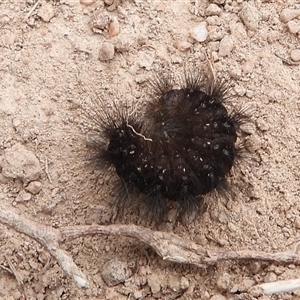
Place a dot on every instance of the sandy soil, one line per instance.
(49, 65)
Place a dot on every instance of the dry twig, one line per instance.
(169, 246)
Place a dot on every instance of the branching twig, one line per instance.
(169, 246)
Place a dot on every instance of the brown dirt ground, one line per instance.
(49, 67)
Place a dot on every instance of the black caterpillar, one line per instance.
(180, 148)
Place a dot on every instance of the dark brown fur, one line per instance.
(181, 148)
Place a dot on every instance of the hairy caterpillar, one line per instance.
(180, 148)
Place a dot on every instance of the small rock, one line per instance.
(123, 44)
(87, 2)
(215, 34)
(113, 27)
(213, 10)
(247, 284)
(23, 197)
(224, 282)
(154, 284)
(107, 51)
(172, 215)
(289, 14)
(226, 46)
(218, 297)
(218, 1)
(250, 17)
(248, 66)
(145, 61)
(9, 39)
(295, 55)
(34, 187)
(20, 163)
(137, 295)
(4, 20)
(182, 46)
(262, 124)
(46, 12)
(199, 32)
(256, 291)
(100, 21)
(293, 27)
(184, 283)
(115, 271)
(270, 277)
(178, 284)
(3, 179)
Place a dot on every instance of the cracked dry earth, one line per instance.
(56, 54)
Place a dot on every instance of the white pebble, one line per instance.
(293, 27)
(226, 46)
(295, 54)
(199, 32)
(289, 14)
(250, 17)
(107, 51)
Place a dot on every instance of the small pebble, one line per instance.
(182, 46)
(115, 271)
(46, 12)
(199, 32)
(254, 267)
(289, 14)
(137, 295)
(213, 10)
(216, 34)
(293, 27)
(256, 291)
(154, 284)
(262, 124)
(3, 179)
(113, 27)
(218, 1)
(87, 2)
(20, 163)
(218, 297)
(224, 282)
(23, 197)
(295, 55)
(123, 44)
(34, 187)
(250, 17)
(172, 215)
(107, 51)
(248, 66)
(226, 46)
(247, 284)
(270, 277)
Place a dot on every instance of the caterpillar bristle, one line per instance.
(182, 147)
